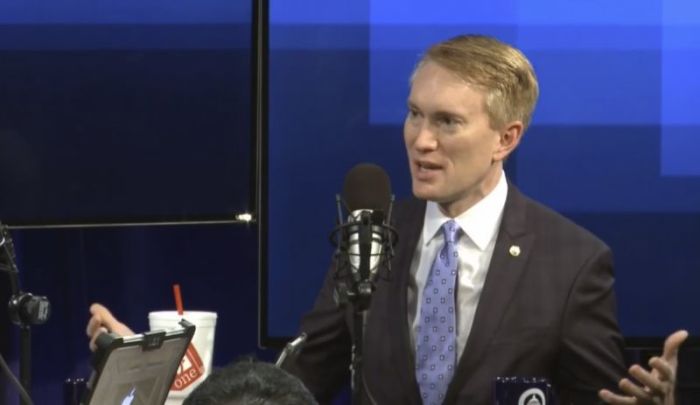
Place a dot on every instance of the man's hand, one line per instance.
(659, 384)
(103, 321)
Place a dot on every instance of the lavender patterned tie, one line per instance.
(436, 331)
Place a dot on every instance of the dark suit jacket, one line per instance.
(548, 312)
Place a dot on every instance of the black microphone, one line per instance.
(367, 187)
(367, 193)
(365, 242)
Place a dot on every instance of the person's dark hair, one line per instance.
(249, 382)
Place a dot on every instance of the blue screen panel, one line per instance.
(679, 151)
(574, 12)
(612, 145)
(685, 12)
(580, 169)
(680, 86)
(318, 12)
(447, 13)
(125, 111)
(125, 12)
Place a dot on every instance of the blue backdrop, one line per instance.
(613, 144)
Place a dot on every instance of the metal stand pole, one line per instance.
(357, 352)
(25, 360)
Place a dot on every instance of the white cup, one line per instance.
(196, 364)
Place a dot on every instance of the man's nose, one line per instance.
(426, 138)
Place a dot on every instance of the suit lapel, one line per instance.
(409, 226)
(513, 245)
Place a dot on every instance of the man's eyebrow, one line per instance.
(438, 113)
(449, 114)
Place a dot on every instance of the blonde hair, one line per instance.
(503, 72)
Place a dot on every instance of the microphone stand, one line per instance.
(25, 359)
(291, 349)
(359, 317)
(358, 292)
(363, 298)
(25, 310)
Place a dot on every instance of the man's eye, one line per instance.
(448, 122)
(413, 116)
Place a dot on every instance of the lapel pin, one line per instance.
(514, 250)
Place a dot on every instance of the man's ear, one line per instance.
(508, 140)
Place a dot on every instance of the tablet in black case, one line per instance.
(136, 370)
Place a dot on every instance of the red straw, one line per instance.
(178, 298)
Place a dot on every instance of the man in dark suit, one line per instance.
(528, 292)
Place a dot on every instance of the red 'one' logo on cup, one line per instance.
(191, 368)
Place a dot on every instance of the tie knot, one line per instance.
(450, 229)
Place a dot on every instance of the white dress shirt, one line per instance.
(475, 246)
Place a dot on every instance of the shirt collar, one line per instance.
(480, 222)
